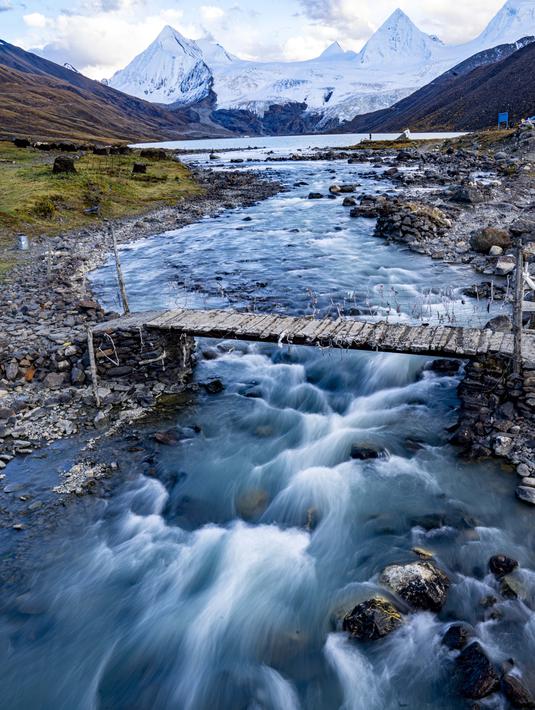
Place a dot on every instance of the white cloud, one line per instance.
(452, 22)
(5, 5)
(35, 19)
(210, 13)
(97, 45)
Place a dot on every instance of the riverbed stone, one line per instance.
(372, 620)
(477, 675)
(517, 692)
(484, 239)
(526, 494)
(500, 565)
(363, 453)
(54, 380)
(421, 584)
(251, 504)
(457, 636)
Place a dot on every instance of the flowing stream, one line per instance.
(212, 575)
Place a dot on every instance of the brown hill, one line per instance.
(468, 97)
(47, 101)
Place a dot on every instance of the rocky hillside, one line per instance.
(48, 101)
(467, 97)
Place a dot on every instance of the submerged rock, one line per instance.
(501, 565)
(372, 620)
(420, 584)
(214, 387)
(251, 504)
(476, 673)
(363, 453)
(457, 636)
(526, 494)
(516, 692)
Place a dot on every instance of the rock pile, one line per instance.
(411, 223)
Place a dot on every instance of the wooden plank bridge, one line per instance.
(438, 341)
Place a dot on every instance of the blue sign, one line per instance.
(503, 118)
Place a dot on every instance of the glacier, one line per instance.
(338, 85)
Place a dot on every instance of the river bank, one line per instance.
(46, 392)
(46, 307)
(306, 538)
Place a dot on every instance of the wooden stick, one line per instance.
(120, 279)
(93, 365)
(517, 309)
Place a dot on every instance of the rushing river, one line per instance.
(211, 578)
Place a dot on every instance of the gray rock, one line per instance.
(77, 376)
(372, 620)
(12, 371)
(483, 240)
(526, 494)
(54, 380)
(505, 265)
(500, 324)
(420, 584)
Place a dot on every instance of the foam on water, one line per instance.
(220, 583)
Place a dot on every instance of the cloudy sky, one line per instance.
(100, 36)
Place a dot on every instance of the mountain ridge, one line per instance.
(48, 101)
(467, 97)
(397, 60)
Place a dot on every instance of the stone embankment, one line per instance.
(46, 308)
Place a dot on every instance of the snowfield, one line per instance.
(398, 59)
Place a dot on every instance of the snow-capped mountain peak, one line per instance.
(398, 39)
(516, 19)
(333, 51)
(170, 71)
(398, 59)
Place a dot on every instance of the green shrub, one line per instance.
(44, 207)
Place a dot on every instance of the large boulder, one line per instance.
(467, 195)
(499, 324)
(484, 239)
(420, 584)
(63, 164)
(372, 620)
(516, 692)
(477, 675)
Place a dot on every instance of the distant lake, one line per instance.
(285, 143)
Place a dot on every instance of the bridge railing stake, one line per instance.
(120, 278)
(93, 365)
(518, 308)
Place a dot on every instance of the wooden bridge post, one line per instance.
(518, 307)
(120, 278)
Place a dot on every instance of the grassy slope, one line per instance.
(34, 201)
(49, 108)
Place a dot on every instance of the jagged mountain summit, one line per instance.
(171, 70)
(336, 86)
(398, 39)
(516, 19)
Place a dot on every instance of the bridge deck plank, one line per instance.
(341, 332)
